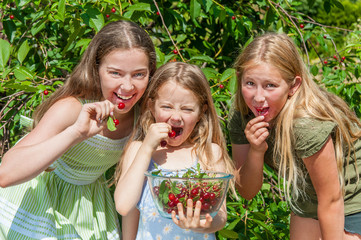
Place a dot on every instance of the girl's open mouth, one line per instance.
(178, 131)
(262, 111)
(124, 98)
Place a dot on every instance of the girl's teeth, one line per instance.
(124, 98)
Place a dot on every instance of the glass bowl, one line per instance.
(168, 187)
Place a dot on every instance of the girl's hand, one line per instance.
(256, 132)
(192, 219)
(93, 118)
(156, 133)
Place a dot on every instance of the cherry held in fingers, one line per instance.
(116, 122)
(163, 143)
(171, 134)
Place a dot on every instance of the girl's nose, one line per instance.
(126, 85)
(176, 117)
(259, 96)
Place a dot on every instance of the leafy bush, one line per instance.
(42, 41)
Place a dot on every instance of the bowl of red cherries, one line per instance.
(170, 187)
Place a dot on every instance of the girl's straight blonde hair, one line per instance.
(309, 101)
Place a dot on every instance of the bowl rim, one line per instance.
(225, 176)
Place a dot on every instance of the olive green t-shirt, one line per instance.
(310, 136)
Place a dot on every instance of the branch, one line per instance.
(170, 36)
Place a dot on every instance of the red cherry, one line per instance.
(175, 51)
(343, 58)
(212, 196)
(163, 143)
(116, 121)
(171, 204)
(114, 10)
(158, 13)
(302, 26)
(206, 195)
(206, 206)
(171, 134)
(334, 56)
(233, 17)
(11, 16)
(221, 86)
(46, 92)
(194, 191)
(171, 196)
(324, 36)
(121, 105)
(107, 16)
(325, 62)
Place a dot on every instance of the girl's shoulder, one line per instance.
(65, 111)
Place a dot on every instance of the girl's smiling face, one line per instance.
(178, 107)
(265, 91)
(124, 75)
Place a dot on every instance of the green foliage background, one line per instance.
(41, 41)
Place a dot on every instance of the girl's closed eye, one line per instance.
(188, 109)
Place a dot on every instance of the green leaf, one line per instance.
(61, 10)
(23, 51)
(202, 58)
(195, 10)
(139, 7)
(208, 4)
(77, 30)
(21, 3)
(358, 88)
(228, 234)
(314, 70)
(111, 125)
(327, 6)
(4, 53)
(357, 71)
(38, 27)
(93, 18)
(23, 73)
(10, 30)
(338, 4)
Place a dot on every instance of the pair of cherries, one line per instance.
(171, 134)
(120, 106)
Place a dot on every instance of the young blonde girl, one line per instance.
(284, 119)
(178, 99)
(71, 136)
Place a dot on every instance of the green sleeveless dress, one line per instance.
(71, 202)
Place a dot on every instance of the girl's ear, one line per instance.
(294, 87)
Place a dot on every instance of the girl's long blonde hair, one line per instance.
(206, 131)
(84, 81)
(309, 101)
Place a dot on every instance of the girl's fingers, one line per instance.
(174, 218)
(180, 212)
(197, 212)
(189, 208)
(208, 221)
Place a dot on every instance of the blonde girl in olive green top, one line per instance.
(283, 118)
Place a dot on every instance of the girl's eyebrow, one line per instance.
(119, 69)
